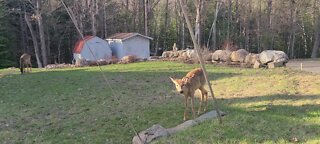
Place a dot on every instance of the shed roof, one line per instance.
(80, 43)
(124, 36)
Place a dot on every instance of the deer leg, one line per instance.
(200, 103)
(192, 107)
(23, 68)
(29, 67)
(206, 97)
(185, 116)
(204, 94)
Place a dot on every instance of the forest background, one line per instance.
(44, 29)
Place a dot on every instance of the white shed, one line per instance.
(123, 44)
(99, 47)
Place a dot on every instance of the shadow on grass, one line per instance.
(271, 121)
(261, 123)
(273, 98)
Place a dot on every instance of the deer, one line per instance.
(25, 63)
(188, 85)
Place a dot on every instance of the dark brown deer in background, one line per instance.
(25, 63)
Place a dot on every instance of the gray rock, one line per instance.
(166, 54)
(221, 55)
(275, 64)
(239, 55)
(257, 65)
(251, 58)
(192, 54)
(273, 56)
(207, 56)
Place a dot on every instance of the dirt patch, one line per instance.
(309, 65)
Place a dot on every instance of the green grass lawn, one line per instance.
(76, 105)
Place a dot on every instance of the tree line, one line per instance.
(44, 29)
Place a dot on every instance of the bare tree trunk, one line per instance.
(135, 15)
(182, 26)
(93, 24)
(93, 7)
(269, 33)
(316, 44)
(238, 22)
(49, 57)
(140, 16)
(229, 19)
(126, 23)
(183, 43)
(304, 37)
(178, 24)
(157, 42)
(258, 30)
(105, 31)
(34, 40)
(80, 11)
(166, 24)
(146, 17)
(41, 34)
(247, 27)
(292, 35)
(197, 29)
(22, 29)
(213, 30)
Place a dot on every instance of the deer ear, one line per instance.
(174, 81)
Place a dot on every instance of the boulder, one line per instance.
(167, 54)
(207, 56)
(175, 54)
(268, 56)
(180, 53)
(184, 55)
(221, 55)
(256, 65)
(239, 55)
(251, 58)
(192, 54)
(128, 59)
(275, 64)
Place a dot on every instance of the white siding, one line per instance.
(99, 47)
(76, 56)
(117, 48)
(137, 46)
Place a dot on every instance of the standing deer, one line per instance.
(25, 62)
(188, 85)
